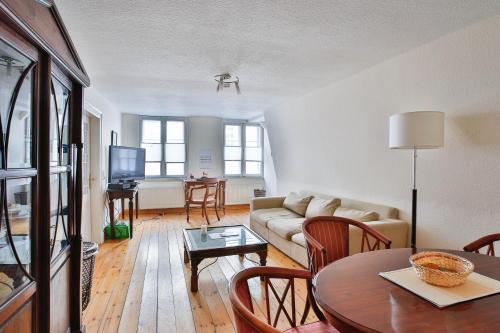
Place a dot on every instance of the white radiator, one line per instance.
(170, 194)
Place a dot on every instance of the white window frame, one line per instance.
(243, 125)
(163, 141)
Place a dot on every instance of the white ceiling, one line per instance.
(159, 57)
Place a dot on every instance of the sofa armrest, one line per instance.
(395, 230)
(266, 202)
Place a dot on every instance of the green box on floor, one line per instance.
(121, 231)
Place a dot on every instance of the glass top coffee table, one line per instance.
(220, 242)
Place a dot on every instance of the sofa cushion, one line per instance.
(286, 228)
(299, 239)
(322, 207)
(297, 202)
(262, 216)
(355, 214)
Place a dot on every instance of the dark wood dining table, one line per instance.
(355, 298)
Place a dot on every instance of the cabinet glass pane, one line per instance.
(58, 213)
(16, 78)
(175, 152)
(13, 273)
(59, 120)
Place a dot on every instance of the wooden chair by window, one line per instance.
(327, 239)
(488, 240)
(244, 315)
(209, 189)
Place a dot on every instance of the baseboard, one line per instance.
(180, 210)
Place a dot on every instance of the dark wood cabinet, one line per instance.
(41, 100)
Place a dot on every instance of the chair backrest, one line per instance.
(241, 301)
(486, 241)
(209, 189)
(327, 239)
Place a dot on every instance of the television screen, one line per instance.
(126, 163)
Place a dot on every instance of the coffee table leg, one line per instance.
(263, 260)
(194, 274)
(186, 256)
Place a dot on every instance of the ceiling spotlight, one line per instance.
(225, 80)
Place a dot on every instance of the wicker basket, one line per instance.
(89, 252)
(441, 269)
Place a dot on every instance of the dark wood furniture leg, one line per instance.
(263, 260)
(186, 256)
(194, 274)
(112, 217)
(123, 208)
(131, 216)
(137, 205)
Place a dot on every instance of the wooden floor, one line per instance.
(142, 285)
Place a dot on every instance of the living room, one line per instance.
(231, 166)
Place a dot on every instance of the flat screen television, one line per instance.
(126, 163)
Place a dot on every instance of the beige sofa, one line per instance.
(282, 227)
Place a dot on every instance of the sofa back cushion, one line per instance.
(356, 214)
(297, 202)
(322, 207)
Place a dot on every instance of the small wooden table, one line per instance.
(356, 299)
(197, 247)
(122, 194)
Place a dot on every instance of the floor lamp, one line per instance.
(416, 130)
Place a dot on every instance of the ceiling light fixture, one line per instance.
(225, 80)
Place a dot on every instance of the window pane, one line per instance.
(232, 135)
(175, 132)
(153, 151)
(232, 167)
(232, 153)
(253, 154)
(175, 152)
(152, 169)
(151, 131)
(175, 169)
(252, 168)
(252, 136)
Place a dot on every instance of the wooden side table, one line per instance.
(122, 194)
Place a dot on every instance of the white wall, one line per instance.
(335, 139)
(203, 133)
(110, 121)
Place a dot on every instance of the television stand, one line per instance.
(130, 193)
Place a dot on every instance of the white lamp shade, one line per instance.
(419, 129)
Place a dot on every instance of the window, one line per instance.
(165, 142)
(243, 149)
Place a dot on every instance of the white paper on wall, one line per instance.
(205, 158)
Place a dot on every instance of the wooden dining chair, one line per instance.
(488, 240)
(244, 312)
(209, 188)
(327, 240)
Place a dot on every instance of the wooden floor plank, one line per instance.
(166, 301)
(149, 302)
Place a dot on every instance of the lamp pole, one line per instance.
(414, 202)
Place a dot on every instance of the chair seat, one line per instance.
(200, 202)
(317, 327)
